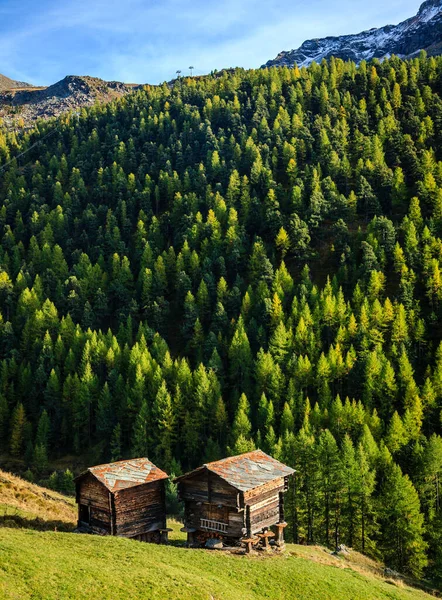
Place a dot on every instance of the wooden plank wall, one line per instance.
(237, 523)
(208, 487)
(140, 510)
(94, 494)
(195, 511)
(264, 504)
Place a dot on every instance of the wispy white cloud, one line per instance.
(141, 40)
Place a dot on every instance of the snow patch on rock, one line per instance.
(423, 31)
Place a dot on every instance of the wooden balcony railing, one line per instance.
(214, 525)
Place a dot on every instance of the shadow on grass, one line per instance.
(16, 521)
(177, 543)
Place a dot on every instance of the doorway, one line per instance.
(84, 513)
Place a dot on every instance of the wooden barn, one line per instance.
(125, 498)
(235, 498)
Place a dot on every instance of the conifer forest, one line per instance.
(250, 259)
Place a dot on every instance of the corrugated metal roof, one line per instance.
(127, 473)
(247, 471)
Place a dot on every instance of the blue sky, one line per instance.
(142, 41)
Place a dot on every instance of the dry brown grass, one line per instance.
(26, 502)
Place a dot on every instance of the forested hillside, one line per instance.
(249, 259)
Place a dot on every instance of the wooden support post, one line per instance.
(281, 507)
(190, 536)
(165, 535)
(249, 541)
(280, 534)
(282, 524)
(190, 539)
(265, 539)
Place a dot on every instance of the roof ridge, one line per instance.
(124, 460)
(243, 455)
(123, 474)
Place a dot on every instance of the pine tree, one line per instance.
(401, 523)
(141, 432)
(18, 423)
(115, 443)
(164, 425)
(396, 434)
(330, 486)
(43, 431)
(40, 460)
(305, 461)
(365, 478)
(240, 357)
(4, 414)
(287, 419)
(350, 490)
(241, 424)
(282, 242)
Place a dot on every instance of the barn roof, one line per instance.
(246, 471)
(126, 473)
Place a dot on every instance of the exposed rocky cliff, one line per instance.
(71, 93)
(421, 32)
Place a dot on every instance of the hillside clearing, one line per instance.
(38, 562)
(54, 565)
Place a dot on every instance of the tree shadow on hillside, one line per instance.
(17, 521)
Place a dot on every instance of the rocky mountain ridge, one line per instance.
(421, 32)
(8, 84)
(26, 104)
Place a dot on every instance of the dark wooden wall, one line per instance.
(92, 493)
(234, 517)
(129, 513)
(208, 487)
(140, 509)
(207, 496)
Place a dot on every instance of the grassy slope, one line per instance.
(55, 565)
(28, 504)
(62, 565)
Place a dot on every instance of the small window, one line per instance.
(84, 514)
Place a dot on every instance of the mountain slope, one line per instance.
(236, 262)
(49, 564)
(9, 84)
(71, 93)
(62, 566)
(421, 32)
(22, 502)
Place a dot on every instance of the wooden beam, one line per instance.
(209, 486)
(248, 522)
(113, 515)
(281, 507)
(112, 530)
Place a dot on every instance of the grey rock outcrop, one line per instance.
(70, 94)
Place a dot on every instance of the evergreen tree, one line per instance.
(115, 444)
(401, 522)
(18, 424)
(141, 440)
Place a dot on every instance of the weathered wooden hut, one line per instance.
(234, 498)
(124, 498)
